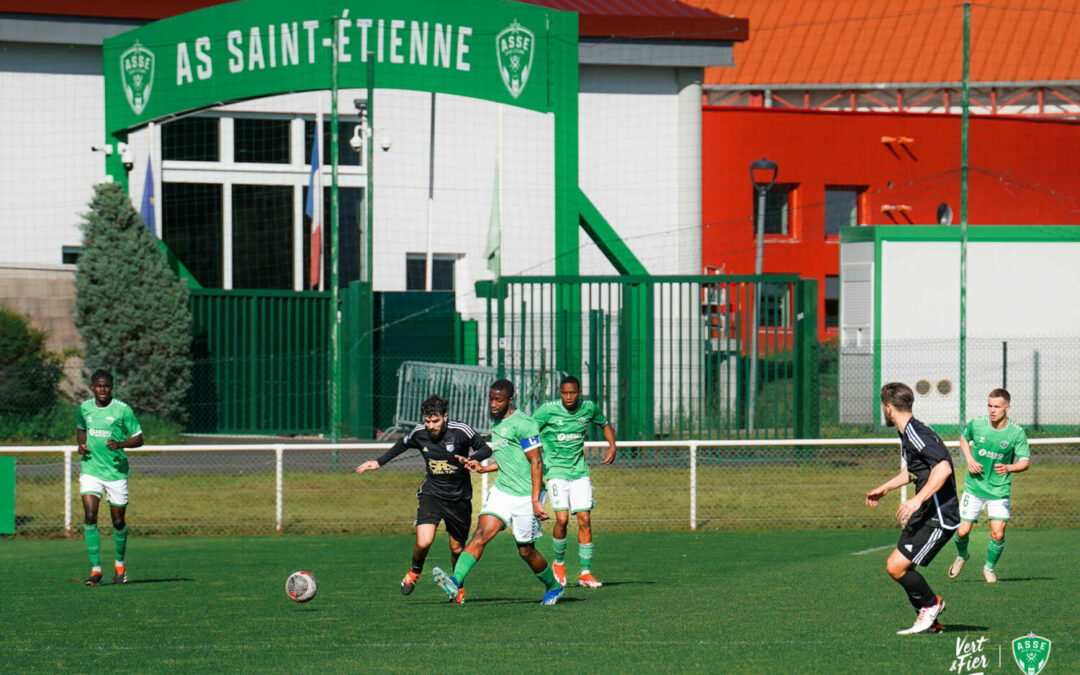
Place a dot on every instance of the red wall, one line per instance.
(1023, 171)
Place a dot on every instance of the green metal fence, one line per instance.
(668, 357)
(260, 361)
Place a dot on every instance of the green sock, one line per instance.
(961, 546)
(993, 552)
(585, 556)
(547, 577)
(560, 549)
(93, 544)
(465, 563)
(120, 540)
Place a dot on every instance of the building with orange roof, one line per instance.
(859, 104)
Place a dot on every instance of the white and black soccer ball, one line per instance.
(301, 586)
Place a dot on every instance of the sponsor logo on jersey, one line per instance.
(1031, 653)
(440, 467)
(568, 437)
(137, 76)
(983, 452)
(514, 47)
(100, 433)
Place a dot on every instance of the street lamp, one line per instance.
(763, 176)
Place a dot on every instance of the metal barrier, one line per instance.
(466, 388)
(696, 484)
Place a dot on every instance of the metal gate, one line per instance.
(669, 357)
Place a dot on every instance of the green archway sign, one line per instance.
(498, 51)
(505, 52)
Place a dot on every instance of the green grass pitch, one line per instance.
(722, 602)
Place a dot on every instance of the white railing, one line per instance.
(692, 447)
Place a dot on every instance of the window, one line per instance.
(832, 301)
(841, 209)
(264, 141)
(442, 271)
(346, 155)
(192, 139)
(69, 255)
(191, 219)
(777, 208)
(262, 241)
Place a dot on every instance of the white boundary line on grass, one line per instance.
(871, 550)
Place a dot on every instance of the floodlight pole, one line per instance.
(964, 210)
(761, 189)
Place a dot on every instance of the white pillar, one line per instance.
(689, 190)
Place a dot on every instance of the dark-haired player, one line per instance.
(564, 424)
(105, 427)
(1002, 449)
(930, 517)
(446, 493)
(514, 499)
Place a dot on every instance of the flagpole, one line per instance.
(430, 196)
(317, 188)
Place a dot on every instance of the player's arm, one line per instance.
(80, 437)
(973, 467)
(938, 475)
(376, 464)
(537, 466)
(899, 480)
(1019, 466)
(609, 436)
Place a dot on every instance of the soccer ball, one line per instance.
(301, 586)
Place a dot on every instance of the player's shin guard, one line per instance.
(961, 545)
(120, 541)
(585, 552)
(559, 548)
(93, 544)
(993, 552)
(417, 566)
(547, 577)
(465, 563)
(919, 592)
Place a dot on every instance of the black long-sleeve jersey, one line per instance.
(923, 450)
(446, 477)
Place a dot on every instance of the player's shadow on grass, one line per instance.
(158, 581)
(628, 583)
(507, 601)
(1005, 580)
(962, 628)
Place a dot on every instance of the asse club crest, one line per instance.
(514, 46)
(137, 75)
(1031, 653)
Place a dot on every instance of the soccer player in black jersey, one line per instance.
(930, 517)
(446, 493)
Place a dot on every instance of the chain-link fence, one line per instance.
(706, 485)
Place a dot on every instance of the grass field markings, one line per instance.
(876, 548)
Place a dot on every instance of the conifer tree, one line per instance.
(131, 309)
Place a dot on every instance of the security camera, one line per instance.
(127, 157)
(360, 104)
(357, 140)
(385, 139)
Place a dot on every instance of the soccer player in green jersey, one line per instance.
(994, 448)
(563, 425)
(106, 426)
(514, 499)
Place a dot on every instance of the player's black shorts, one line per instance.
(457, 514)
(922, 538)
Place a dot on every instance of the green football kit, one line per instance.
(115, 421)
(563, 434)
(990, 446)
